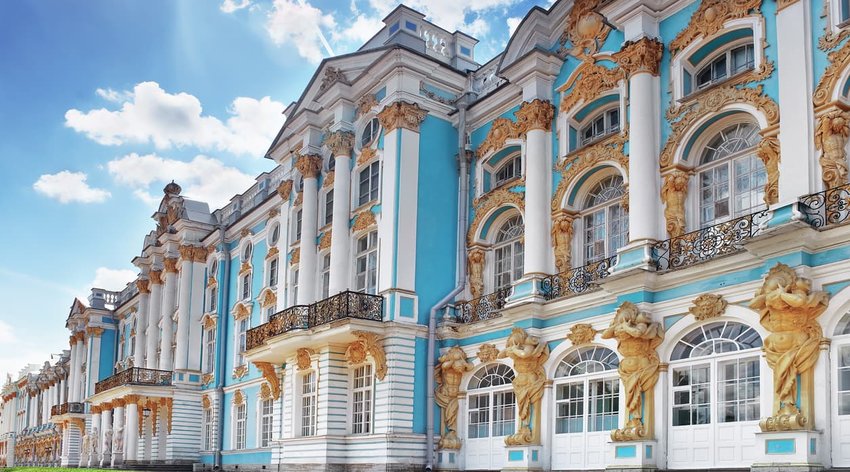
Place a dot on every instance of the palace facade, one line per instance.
(619, 244)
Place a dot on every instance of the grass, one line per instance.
(48, 469)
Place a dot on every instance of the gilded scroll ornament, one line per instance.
(831, 135)
(587, 83)
(788, 309)
(366, 155)
(366, 103)
(562, 240)
(328, 181)
(170, 264)
(295, 257)
(240, 311)
(610, 149)
(535, 115)
(528, 353)
(368, 343)
(155, 277)
(839, 60)
(304, 358)
(449, 371)
(674, 192)
(475, 262)
(238, 397)
(268, 371)
(268, 298)
(285, 189)
(273, 251)
(207, 379)
(768, 152)
(199, 254)
(265, 392)
(363, 220)
(487, 353)
(500, 132)
(325, 240)
(402, 115)
(640, 56)
(206, 404)
(586, 30)
(240, 371)
(637, 339)
(244, 268)
(309, 165)
(485, 204)
(581, 334)
(710, 17)
(143, 285)
(708, 306)
(340, 142)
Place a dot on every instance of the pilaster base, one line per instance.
(528, 289)
(788, 451)
(635, 255)
(633, 456)
(525, 458)
(447, 459)
(117, 459)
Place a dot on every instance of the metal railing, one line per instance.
(348, 304)
(828, 208)
(483, 308)
(67, 407)
(577, 280)
(134, 376)
(708, 243)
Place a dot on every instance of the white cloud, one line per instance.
(513, 22)
(360, 30)
(150, 114)
(112, 279)
(203, 178)
(449, 14)
(67, 187)
(230, 6)
(299, 24)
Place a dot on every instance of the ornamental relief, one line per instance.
(536, 114)
(528, 353)
(610, 149)
(674, 192)
(269, 373)
(511, 195)
(708, 306)
(587, 83)
(562, 240)
(586, 31)
(581, 334)
(448, 374)
(762, 72)
(368, 344)
(831, 39)
(831, 134)
(710, 17)
(839, 60)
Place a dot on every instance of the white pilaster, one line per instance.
(643, 160)
(185, 292)
(93, 365)
(309, 167)
(74, 370)
(169, 297)
(131, 431)
(340, 236)
(196, 311)
(142, 322)
(537, 221)
(154, 314)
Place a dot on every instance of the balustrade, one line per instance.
(828, 208)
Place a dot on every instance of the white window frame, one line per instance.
(588, 355)
(325, 274)
(309, 398)
(240, 425)
(297, 221)
(517, 261)
(367, 255)
(588, 211)
(245, 289)
(362, 396)
(265, 420)
(273, 268)
(209, 347)
(207, 438)
(608, 125)
(273, 239)
(373, 181)
(490, 392)
(293, 280)
(729, 72)
(241, 336)
(328, 207)
(514, 160)
(372, 124)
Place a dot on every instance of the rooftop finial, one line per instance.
(172, 189)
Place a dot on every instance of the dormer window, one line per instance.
(725, 65)
(370, 132)
(605, 123)
(509, 171)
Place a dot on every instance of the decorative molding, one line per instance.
(710, 17)
(267, 298)
(637, 337)
(831, 134)
(366, 104)
(586, 30)
(245, 268)
(581, 334)
(364, 220)
(448, 374)
(240, 371)
(500, 132)
(367, 343)
(839, 60)
(674, 193)
(832, 39)
(155, 277)
(241, 309)
(143, 285)
(238, 397)
(265, 392)
(768, 152)
(487, 353)
(245, 232)
(340, 143)
(199, 254)
(207, 379)
(273, 213)
(366, 155)
(641, 56)
(299, 199)
(328, 181)
(493, 199)
(273, 251)
(206, 404)
(325, 240)
(529, 354)
(295, 258)
(562, 240)
(708, 306)
(788, 308)
(94, 332)
(186, 252)
(309, 165)
(535, 115)
(587, 83)
(331, 76)
(402, 115)
(269, 373)
(284, 189)
(170, 264)
(783, 4)
(303, 358)
(475, 268)
(610, 149)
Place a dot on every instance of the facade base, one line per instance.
(788, 451)
(633, 456)
(524, 458)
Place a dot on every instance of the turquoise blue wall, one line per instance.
(108, 341)
(251, 394)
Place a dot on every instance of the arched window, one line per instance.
(725, 65)
(274, 235)
(508, 253)
(715, 380)
(588, 398)
(606, 223)
(603, 124)
(370, 132)
(731, 176)
(246, 251)
(492, 405)
(510, 170)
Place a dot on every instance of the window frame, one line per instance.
(369, 254)
(503, 390)
(605, 207)
(240, 424)
(372, 171)
(608, 128)
(365, 423)
(273, 272)
(241, 335)
(265, 422)
(325, 274)
(587, 356)
(515, 246)
(513, 160)
(372, 124)
(308, 399)
(328, 199)
(209, 350)
(207, 438)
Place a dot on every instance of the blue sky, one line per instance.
(104, 102)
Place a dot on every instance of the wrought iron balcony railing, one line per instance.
(708, 243)
(482, 308)
(134, 376)
(577, 280)
(67, 407)
(348, 304)
(828, 208)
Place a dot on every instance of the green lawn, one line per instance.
(48, 469)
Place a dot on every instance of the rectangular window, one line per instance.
(569, 405)
(298, 216)
(326, 275)
(246, 286)
(240, 423)
(213, 300)
(844, 380)
(294, 287)
(366, 264)
(504, 411)
(329, 207)
(266, 416)
(691, 395)
(208, 429)
(603, 405)
(273, 272)
(308, 404)
(209, 351)
(479, 416)
(369, 183)
(361, 400)
(738, 391)
(241, 338)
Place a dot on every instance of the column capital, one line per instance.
(340, 142)
(285, 189)
(118, 403)
(130, 399)
(186, 252)
(94, 332)
(402, 115)
(640, 56)
(170, 265)
(309, 165)
(536, 114)
(143, 285)
(155, 277)
(200, 254)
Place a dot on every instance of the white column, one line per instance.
(340, 144)
(63, 385)
(537, 114)
(162, 432)
(640, 60)
(118, 435)
(196, 312)
(73, 370)
(155, 304)
(93, 364)
(169, 297)
(83, 355)
(105, 438)
(797, 174)
(131, 431)
(142, 321)
(185, 292)
(309, 166)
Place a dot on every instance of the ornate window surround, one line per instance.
(576, 124)
(490, 165)
(487, 240)
(581, 188)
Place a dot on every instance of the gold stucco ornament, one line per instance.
(674, 191)
(637, 338)
(487, 353)
(831, 136)
(449, 371)
(788, 309)
(475, 260)
(708, 306)
(562, 241)
(528, 353)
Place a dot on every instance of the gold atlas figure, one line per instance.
(449, 371)
(528, 354)
(789, 309)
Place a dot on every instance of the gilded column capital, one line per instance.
(640, 56)
(186, 252)
(309, 165)
(340, 143)
(536, 114)
(170, 264)
(402, 115)
(130, 399)
(199, 254)
(155, 277)
(284, 189)
(143, 285)
(119, 403)
(95, 409)
(94, 331)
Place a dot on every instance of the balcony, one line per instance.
(708, 243)
(66, 408)
(482, 308)
(577, 280)
(827, 209)
(345, 305)
(135, 376)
